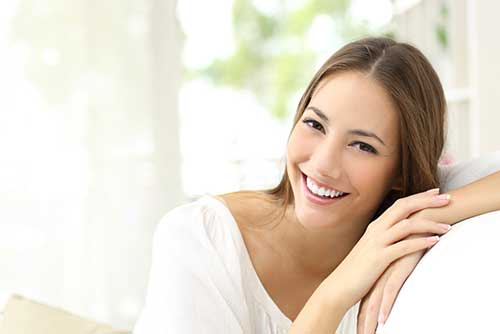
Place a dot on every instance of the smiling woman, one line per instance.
(361, 163)
(340, 155)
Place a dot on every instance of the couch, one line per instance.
(25, 316)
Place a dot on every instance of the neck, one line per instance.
(317, 251)
(313, 252)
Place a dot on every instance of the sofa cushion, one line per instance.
(467, 171)
(454, 288)
(24, 316)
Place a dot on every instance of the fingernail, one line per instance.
(380, 328)
(443, 196)
(433, 239)
(435, 190)
(441, 199)
(381, 318)
(444, 227)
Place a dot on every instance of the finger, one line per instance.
(370, 306)
(408, 246)
(363, 309)
(404, 207)
(363, 306)
(371, 318)
(391, 291)
(407, 227)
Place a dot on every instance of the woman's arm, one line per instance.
(321, 313)
(382, 243)
(473, 199)
(474, 186)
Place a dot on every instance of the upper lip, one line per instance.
(320, 184)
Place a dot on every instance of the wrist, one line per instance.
(322, 313)
(333, 296)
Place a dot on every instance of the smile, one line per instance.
(317, 198)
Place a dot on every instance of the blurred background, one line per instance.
(113, 112)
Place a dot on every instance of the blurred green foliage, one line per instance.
(441, 27)
(272, 57)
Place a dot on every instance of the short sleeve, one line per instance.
(462, 173)
(182, 297)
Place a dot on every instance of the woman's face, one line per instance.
(347, 140)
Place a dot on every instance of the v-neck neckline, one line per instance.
(258, 289)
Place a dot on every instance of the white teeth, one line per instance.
(322, 191)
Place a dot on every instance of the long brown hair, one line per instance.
(418, 97)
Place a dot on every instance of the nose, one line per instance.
(327, 159)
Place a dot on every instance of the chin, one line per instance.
(313, 216)
(314, 220)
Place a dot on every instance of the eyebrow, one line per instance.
(359, 132)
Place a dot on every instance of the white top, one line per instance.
(202, 279)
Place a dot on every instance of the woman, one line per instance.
(360, 181)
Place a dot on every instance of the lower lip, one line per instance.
(315, 199)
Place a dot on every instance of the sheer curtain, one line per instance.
(90, 150)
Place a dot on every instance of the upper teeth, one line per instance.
(322, 191)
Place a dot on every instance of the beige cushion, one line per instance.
(23, 316)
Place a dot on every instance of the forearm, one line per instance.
(321, 314)
(473, 199)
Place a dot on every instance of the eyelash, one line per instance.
(369, 149)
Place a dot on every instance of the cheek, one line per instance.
(299, 145)
(372, 177)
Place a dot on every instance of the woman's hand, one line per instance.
(384, 241)
(376, 306)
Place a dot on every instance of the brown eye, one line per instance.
(313, 124)
(365, 147)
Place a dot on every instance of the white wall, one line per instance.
(484, 63)
(468, 67)
(90, 150)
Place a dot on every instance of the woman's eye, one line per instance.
(313, 124)
(362, 146)
(365, 147)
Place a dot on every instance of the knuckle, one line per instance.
(386, 256)
(391, 288)
(405, 223)
(405, 203)
(419, 222)
(372, 308)
(404, 247)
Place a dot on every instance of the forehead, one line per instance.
(354, 100)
